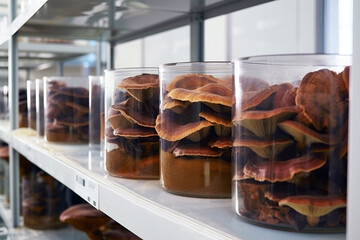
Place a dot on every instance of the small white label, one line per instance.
(87, 189)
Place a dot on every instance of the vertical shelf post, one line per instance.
(61, 68)
(353, 197)
(14, 117)
(197, 31)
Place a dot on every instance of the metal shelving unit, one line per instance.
(141, 206)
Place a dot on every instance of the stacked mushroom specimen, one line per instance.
(132, 144)
(95, 223)
(67, 113)
(290, 152)
(195, 128)
(42, 201)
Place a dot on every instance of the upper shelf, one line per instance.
(125, 20)
(141, 205)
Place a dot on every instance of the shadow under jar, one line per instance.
(131, 107)
(66, 109)
(194, 126)
(290, 129)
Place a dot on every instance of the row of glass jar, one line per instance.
(273, 129)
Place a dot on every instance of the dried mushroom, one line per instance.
(313, 206)
(174, 105)
(173, 128)
(136, 111)
(211, 93)
(252, 99)
(264, 123)
(277, 171)
(221, 142)
(196, 150)
(266, 149)
(305, 135)
(191, 81)
(135, 132)
(321, 93)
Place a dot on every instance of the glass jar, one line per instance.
(194, 126)
(131, 107)
(39, 89)
(95, 89)
(4, 102)
(290, 129)
(42, 200)
(66, 109)
(23, 113)
(31, 105)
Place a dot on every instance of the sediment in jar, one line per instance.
(194, 126)
(300, 184)
(131, 142)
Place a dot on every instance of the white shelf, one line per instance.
(142, 206)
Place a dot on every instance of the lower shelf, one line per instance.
(24, 233)
(142, 206)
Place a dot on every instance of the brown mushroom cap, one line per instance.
(191, 81)
(212, 93)
(254, 98)
(135, 132)
(138, 112)
(4, 152)
(265, 149)
(74, 122)
(304, 134)
(277, 171)
(119, 120)
(57, 98)
(216, 117)
(345, 75)
(284, 96)
(322, 94)
(173, 128)
(109, 133)
(143, 81)
(313, 206)
(196, 150)
(221, 142)
(240, 175)
(78, 92)
(251, 84)
(84, 217)
(78, 108)
(174, 105)
(264, 123)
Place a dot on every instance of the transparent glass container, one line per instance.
(131, 107)
(23, 113)
(31, 104)
(95, 93)
(42, 200)
(194, 126)
(39, 92)
(66, 102)
(4, 95)
(290, 130)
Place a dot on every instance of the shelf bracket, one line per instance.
(197, 37)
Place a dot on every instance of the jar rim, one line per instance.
(316, 59)
(194, 62)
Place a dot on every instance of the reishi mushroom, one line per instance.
(313, 207)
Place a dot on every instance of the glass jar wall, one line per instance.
(66, 109)
(194, 126)
(31, 104)
(39, 89)
(95, 93)
(290, 129)
(131, 107)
